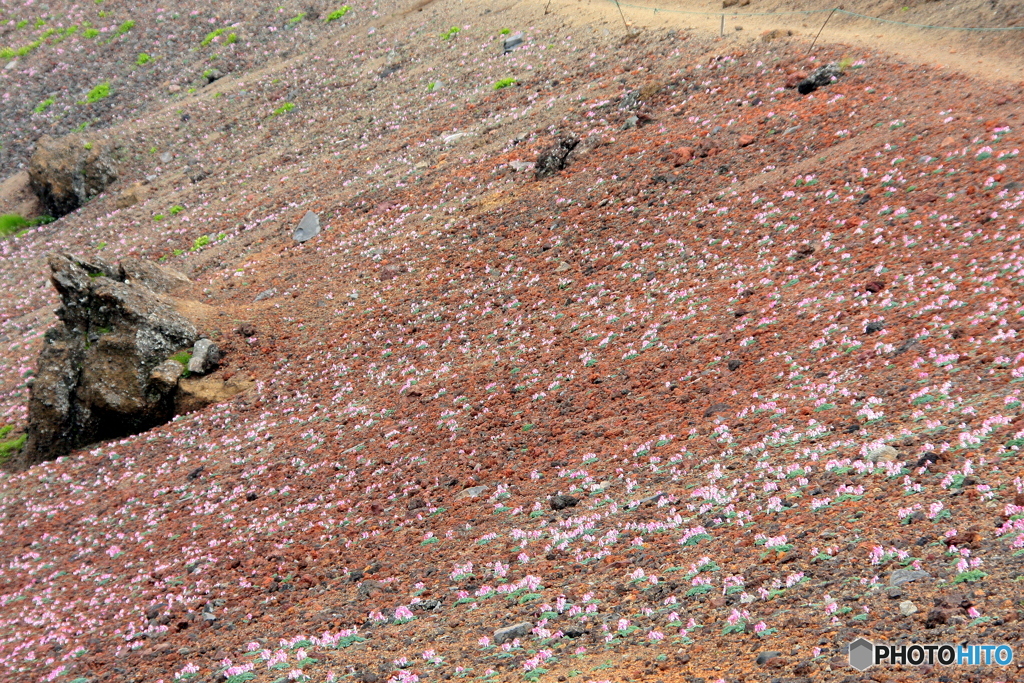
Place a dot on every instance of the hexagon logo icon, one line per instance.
(862, 654)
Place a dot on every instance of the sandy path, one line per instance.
(990, 55)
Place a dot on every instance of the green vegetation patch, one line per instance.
(211, 36)
(337, 14)
(12, 224)
(284, 109)
(8, 447)
(124, 28)
(97, 93)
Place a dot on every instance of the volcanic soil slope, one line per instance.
(737, 385)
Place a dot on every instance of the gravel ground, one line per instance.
(684, 406)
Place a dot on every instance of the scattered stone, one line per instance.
(935, 618)
(246, 330)
(265, 294)
(907, 608)
(94, 371)
(561, 501)
(795, 78)
(512, 42)
(212, 75)
(871, 328)
(649, 90)
(555, 159)
(726, 4)
(416, 504)
(522, 165)
(164, 377)
(630, 101)
(205, 357)
(195, 393)
(455, 137)
(392, 270)
(367, 676)
(166, 157)
(735, 364)
(875, 286)
(774, 34)
(136, 194)
(820, 77)
(369, 588)
(884, 453)
(308, 228)
(902, 576)
(765, 657)
(746, 140)
(472, 492)
(716, 408)
(65, 173)
(630, 123)
(681, 155)
(562, 267)
(197, 175)
(510, 633)
(894, 592)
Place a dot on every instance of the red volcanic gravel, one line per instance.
(693, 399)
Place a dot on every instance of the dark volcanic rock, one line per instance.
(555, 159)
(820, 77)
(96, 375)
(67, 172)
(561, 502)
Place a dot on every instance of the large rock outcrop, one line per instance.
(67, 172)
(106, 370)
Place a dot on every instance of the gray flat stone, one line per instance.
(902, 576)
(510, 633)
(473, 492)
(308, 228)
(205, 357)
(907, 608)
(512, 42)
